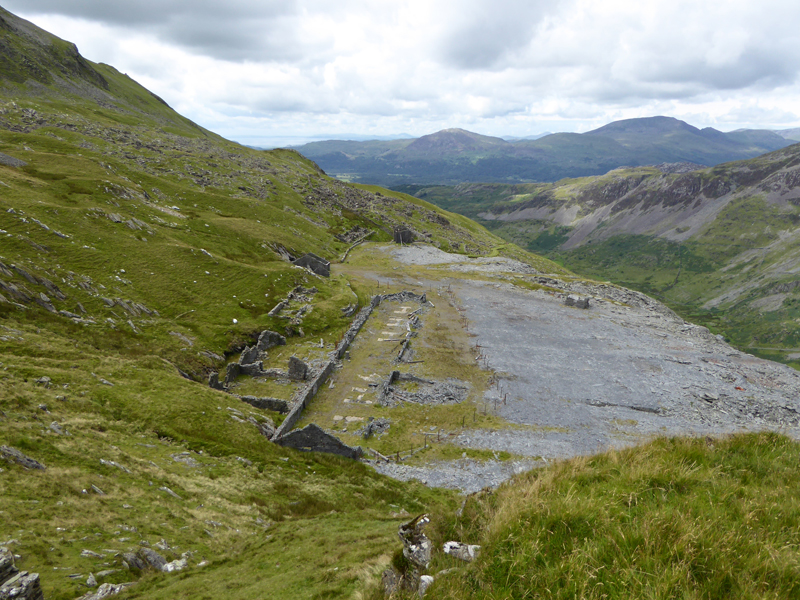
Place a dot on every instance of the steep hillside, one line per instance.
(455, 156)
(140, 253)
(720, 244)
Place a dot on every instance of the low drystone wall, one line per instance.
(320, 378)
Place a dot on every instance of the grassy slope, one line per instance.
(674, 519)
(123, 200)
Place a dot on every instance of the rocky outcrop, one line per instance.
(17, 584)
(106, 590)
(15, 456)
(417, 552)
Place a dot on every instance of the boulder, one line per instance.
(424, 583)
(22, 586)
(106, 590)
(14, 455)
(133, 562)
(152, 558)
(464, 552)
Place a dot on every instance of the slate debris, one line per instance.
(15, 456)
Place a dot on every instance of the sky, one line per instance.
(277, 72)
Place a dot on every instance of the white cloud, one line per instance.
(502, 67)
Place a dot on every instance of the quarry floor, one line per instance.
(571, 381)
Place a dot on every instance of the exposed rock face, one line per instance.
(152, 558)
(14, 455)
(298, 370)
(316, 264)
(313, 438)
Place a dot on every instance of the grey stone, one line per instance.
(255, 369)
(22, 586)
(152, 558)
(417, 548)
(312, 438)
(391, 582)
(14, 455)
(464, 552)
(91, 581)
(576, 301)
(274, 404)
(10, 161)
(54, 426)
(106, 590)
(134, 562)
(270, 339)
(375, 427)
(298, 370)
(45, 381)
(425, 581)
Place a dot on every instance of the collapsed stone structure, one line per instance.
(312, 437)
(315, 264)
(403, 235)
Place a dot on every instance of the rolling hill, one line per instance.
(455, 156)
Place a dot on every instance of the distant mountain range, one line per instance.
(721, 244)
(455, 156)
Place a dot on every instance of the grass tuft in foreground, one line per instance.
(678, 518)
